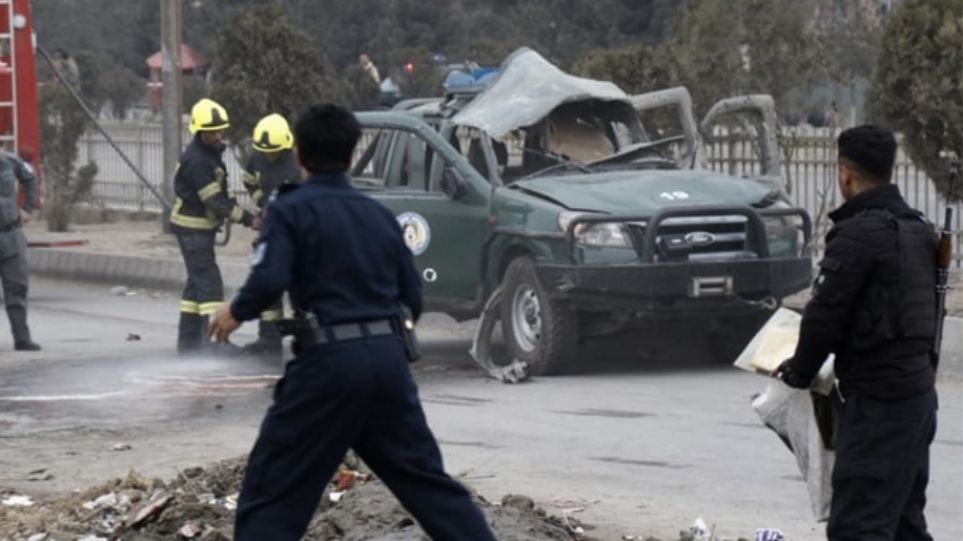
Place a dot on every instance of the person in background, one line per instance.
(368, 66)
(14, 273)
(202, 202)
(271, 166)
(66, 66)
(832, 115)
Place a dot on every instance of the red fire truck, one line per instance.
(19, 125)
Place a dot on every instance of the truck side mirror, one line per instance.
(453, 183)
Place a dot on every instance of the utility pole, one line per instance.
(171, 23)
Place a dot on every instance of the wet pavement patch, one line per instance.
(632, 462)
(615, 414)
(453, 400)
(121, 392)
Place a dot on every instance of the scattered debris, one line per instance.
(119, 291)
(121, 447)
(17, 501)
(481, 347)
(151, 510)
(39, 475)
(199, 503)
(189, 530)
(769, 534)
(700, 531)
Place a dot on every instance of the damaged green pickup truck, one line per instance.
(568, 209)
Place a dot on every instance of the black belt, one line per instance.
(353, 331)
(9, 227)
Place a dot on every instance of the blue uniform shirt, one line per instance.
(337, 252)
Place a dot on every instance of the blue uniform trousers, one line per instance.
(354, 394)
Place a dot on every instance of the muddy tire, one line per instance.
(538, 330)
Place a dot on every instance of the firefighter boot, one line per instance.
(268, 343)
(190, 334)
(217, 349)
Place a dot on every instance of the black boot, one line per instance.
(217, 349)
(190, 334)
(17, 313)
(26, 345)
(268, 343)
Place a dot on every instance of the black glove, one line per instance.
(788, 375)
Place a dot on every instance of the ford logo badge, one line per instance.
(698, 239)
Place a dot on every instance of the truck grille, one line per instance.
(698, 238)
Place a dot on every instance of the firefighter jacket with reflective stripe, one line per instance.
(263, 175)
(874, 300)
(202, 200)
(14, 170)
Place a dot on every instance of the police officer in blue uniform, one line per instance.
(341, 257)
(874, 307)
(14, 276)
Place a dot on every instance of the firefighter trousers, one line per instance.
(355, 394)
(882, 469)
(203, 293)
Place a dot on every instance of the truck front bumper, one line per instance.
(672, 287)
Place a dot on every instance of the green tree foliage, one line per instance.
(634, 68)
(917, 87)
(62, 122)
(123, 89)
(127, 32)
(766, 47)
(265, 65)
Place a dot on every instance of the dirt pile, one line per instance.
(199, 504)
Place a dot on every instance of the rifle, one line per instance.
(943, 257)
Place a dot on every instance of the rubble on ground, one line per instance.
(199, 504)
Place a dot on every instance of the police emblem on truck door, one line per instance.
(416, 231)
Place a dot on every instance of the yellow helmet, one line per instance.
(272, 134)
(208, 115)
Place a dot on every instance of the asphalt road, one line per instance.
(642, 448)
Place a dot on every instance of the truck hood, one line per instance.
(644, 192)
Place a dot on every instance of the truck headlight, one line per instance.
(782, 233)
(607, 234)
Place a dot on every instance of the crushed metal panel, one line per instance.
(526, 89)
(679, 98)
(760, 109)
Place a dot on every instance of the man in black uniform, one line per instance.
(874, 307)
(201, 205)
(271, 166)
(341, 257)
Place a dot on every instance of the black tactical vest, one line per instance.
(899, 303)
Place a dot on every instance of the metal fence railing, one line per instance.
(810, 171)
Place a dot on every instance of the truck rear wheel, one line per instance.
(537, 329)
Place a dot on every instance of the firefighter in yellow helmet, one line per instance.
(272, 165)
(202, 202)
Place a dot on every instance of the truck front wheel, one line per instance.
(538, 330)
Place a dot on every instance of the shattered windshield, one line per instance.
(577, 138)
